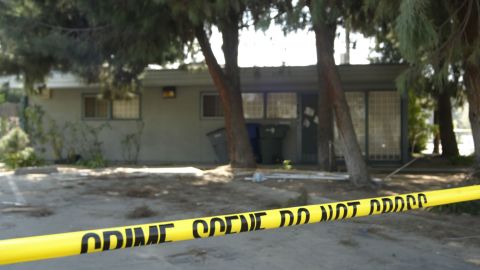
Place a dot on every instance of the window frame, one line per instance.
(265, 103)
(110, 110)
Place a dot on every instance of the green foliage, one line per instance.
(95, 161)
(16, 151)
(34, 127)
(131, 144)
(70, 141)
(56, 138)
(414, 25)
(418, 128)
(83, 37)
(287, 164)
(8, 94)
(5, 126)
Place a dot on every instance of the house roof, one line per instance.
(356, 76)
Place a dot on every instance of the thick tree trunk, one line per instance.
(436, 135)
(228, 85)
(325, 151)
(471, 78)
(472, 82)
(445, 123)
(356, 166)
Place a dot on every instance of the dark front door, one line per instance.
(309, 122)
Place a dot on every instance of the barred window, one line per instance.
(253, 106)
(95, 108)
(278, 105)
(384, 125)
(356, 104)
(212, 106)
(126, 108)
(281, 105)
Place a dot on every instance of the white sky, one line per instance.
(273, 48)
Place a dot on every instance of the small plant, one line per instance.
(56, 138)
(6, 125)
(287, 164)
(15, 150)
(131, 144)
(34, 125)
(94, 162)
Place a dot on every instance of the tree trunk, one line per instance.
(436, 135)
(445, 124)
(228, 85)
(471, 78)
(356, 166)
(325, 151)
(472, 82)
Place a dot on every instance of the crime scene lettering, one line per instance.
(216, 225)
(397, 204)
(339, 210)
(301, 212)
(130, 236)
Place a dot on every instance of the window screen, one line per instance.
(384, 125)
(356, 104)
(211, 106)
(126, 108)
(95, 108)
(282, 105)
(253, 105)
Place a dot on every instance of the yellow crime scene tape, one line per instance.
(76, 243)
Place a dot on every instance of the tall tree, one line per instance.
(229, 17)
(422, 83)
(88, 38)
(113, 41)
(323, 16)
(470, 47)
(428, 44)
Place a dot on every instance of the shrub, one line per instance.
(95, 161)
(15, 150)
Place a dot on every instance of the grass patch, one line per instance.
(462, 160)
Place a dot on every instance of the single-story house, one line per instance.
(178, 108)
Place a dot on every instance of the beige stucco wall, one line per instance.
(174, 131)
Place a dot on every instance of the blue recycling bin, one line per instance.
(253, 130)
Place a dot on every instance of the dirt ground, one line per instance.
(75, 199)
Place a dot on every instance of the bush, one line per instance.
(15, 150)
(96, 161)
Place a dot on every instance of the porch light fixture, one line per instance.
(169, 92)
